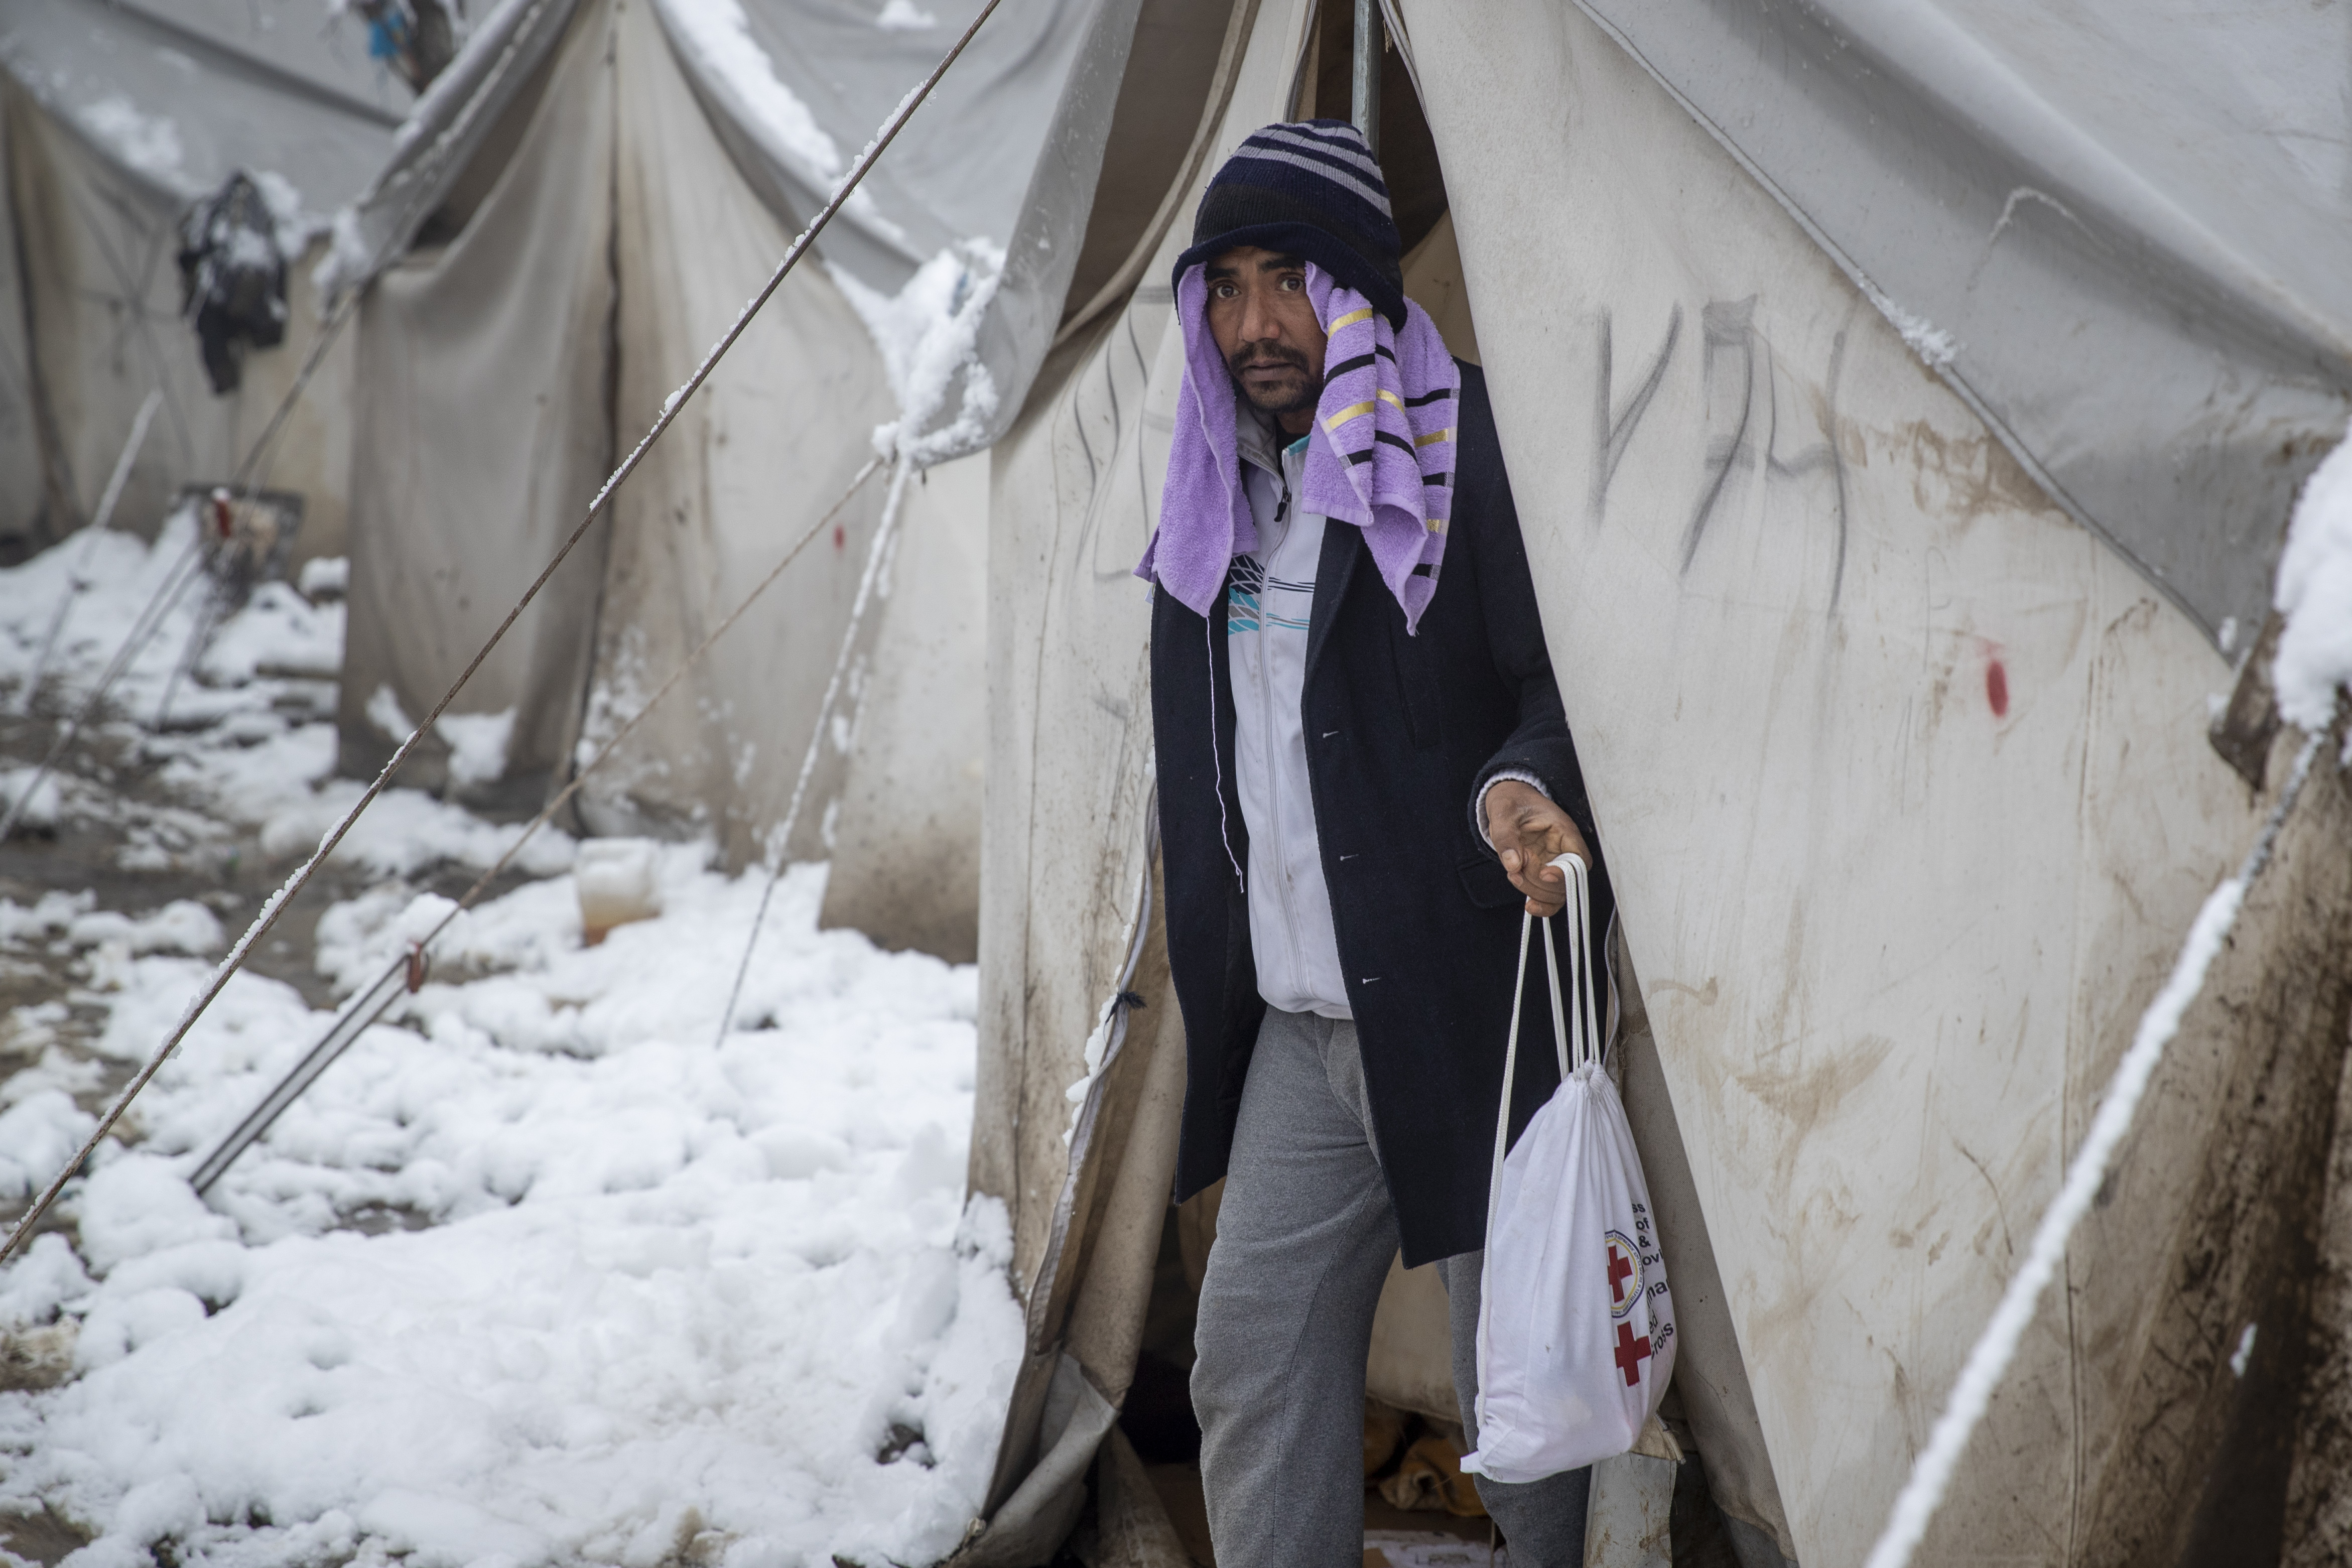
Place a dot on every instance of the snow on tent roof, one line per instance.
(183, 94)
(795, 86)
(2120, 235)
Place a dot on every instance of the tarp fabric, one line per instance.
(483, 429)
(1130, 143)
(2117, 233)
(1711, 1382)
(906, 843)
(961, 165)
(184, 93)
(461, 130)
(759, 455)
(26, 452)
(1069, 841)
(1929, 802)
(718, 153)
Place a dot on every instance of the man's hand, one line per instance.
(1529, 833)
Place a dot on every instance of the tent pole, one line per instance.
(781, 844)
(1365, 106)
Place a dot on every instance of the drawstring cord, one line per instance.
(1216, 760)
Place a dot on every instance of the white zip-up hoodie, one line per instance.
(1267, 617)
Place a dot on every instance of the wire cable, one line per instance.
(159, 606)
(78, 580)
(374, 1000)
(876, 554)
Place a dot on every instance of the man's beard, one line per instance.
(1302, 400)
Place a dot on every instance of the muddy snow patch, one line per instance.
(547, 1268)
(663, 1294)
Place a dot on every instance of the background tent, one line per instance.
(605, 186)
(117, 115)
(1892, 674)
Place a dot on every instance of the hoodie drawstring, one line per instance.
(1217, 761)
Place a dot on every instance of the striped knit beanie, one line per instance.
(1310, 189)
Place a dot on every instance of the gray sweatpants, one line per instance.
(1303, 1239)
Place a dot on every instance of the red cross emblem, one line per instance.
(1630, 1353)
(1625, 1273)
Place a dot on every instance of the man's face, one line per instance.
(1264, 327)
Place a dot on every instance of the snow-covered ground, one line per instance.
(537, 1272)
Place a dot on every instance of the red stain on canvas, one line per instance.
(839, 537)
(1997, 688)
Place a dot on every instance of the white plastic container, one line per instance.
(618, 880)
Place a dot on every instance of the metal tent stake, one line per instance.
(362, 1011)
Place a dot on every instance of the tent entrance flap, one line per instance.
(1075, 489)
(1067, 806)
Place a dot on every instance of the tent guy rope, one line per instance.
(406, 972)
(1988, 1362)
(79, 581)
(276, 903)
(876, 554)
(176, 581)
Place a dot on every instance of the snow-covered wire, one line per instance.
(159, 605)
(1988, 1363)
(276, 903)
(372, 1001)
(208, 610)
(874, 556)
(80, 579)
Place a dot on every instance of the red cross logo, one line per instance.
(1630, 1353)
(1625, 1273)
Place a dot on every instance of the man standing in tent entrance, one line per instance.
(1364, 771)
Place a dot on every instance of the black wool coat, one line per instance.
(1400, 732)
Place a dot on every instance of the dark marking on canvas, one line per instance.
(1612, 429)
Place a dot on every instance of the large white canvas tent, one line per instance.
(1900, 406)
(577, 214)
(1082, 1050)
(116, 115)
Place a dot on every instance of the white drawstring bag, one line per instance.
(1576, 1326)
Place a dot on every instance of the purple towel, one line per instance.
(1380, 455)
